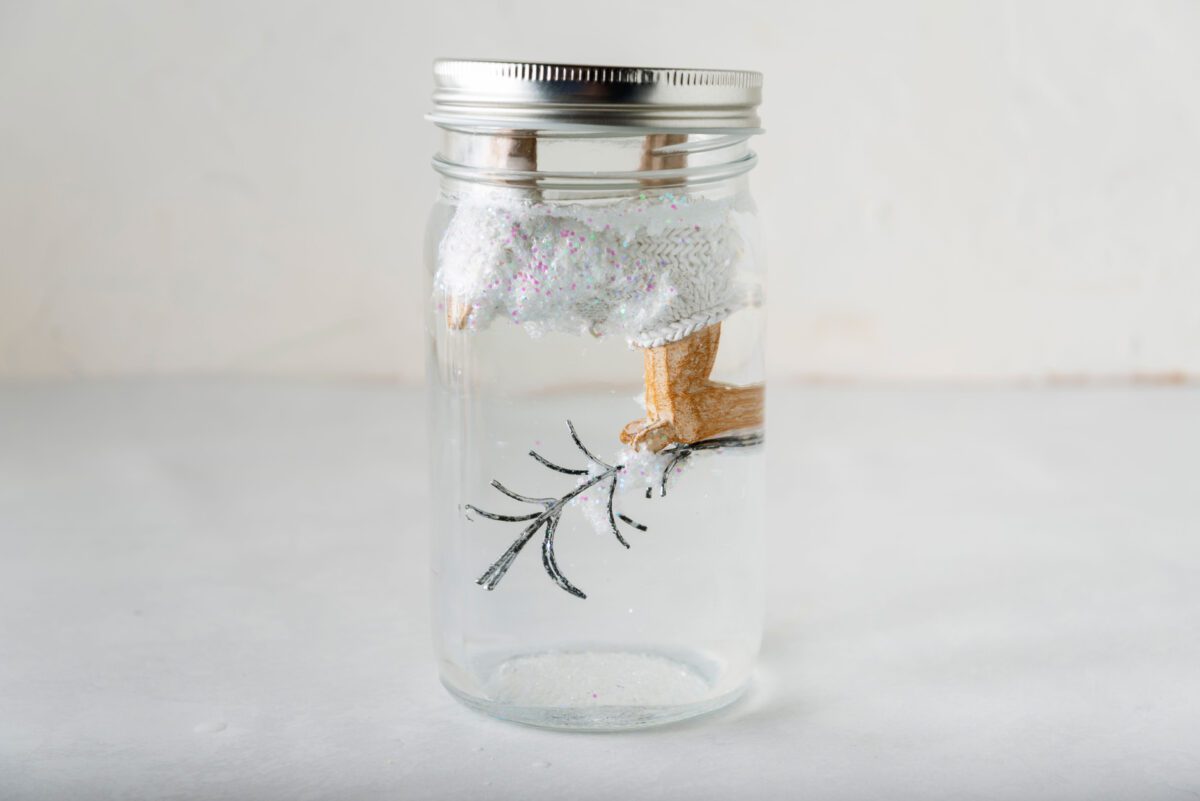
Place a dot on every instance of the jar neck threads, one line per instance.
(599, 161)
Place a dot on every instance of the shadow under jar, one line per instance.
(594, 327)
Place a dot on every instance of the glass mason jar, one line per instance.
(595, 334)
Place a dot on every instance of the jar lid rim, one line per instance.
(524, 95)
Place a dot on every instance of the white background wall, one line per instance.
(952, 190)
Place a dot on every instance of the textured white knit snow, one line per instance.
(651, 269)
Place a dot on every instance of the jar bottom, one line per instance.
(595, 690)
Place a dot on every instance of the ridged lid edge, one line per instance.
(538, 94)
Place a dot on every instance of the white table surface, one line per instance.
(216, 589)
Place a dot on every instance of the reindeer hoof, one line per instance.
(653, 435)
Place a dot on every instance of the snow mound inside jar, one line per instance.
(651, 269)
(596, 679)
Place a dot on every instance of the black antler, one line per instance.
(599, 472)
(549, 518)
(681, 451)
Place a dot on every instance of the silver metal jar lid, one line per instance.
(516, 95)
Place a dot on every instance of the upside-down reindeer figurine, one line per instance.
(679, 339)
(662, 272)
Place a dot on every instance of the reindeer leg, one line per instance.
(515, 152)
